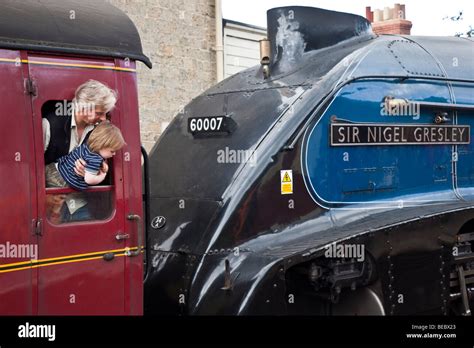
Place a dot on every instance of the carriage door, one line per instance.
(18, 244)
(81, 268)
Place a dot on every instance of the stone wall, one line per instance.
(179, 38)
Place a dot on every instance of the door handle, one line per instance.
(137, 218)
(122, 236)
(39, 227)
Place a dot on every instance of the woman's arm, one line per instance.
(80, 167)
(46, 133)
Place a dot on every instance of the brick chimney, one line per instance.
(389, 20)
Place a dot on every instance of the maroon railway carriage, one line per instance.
(47, 49)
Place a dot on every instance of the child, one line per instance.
(102, 144)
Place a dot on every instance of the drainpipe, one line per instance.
(219, 42)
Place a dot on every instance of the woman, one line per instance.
(63, 133)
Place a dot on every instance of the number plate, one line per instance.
(209, 125)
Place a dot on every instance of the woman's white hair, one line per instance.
(92, 94)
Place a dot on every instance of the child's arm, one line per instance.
(92, 179)
(95, 172)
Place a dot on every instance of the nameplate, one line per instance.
(352, 134)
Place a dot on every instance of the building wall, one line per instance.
(179, 38)
(241, 46)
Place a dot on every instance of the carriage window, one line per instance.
(65, 207)
(64, 204)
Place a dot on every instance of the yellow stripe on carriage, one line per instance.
(62, 260)
(55, 263)
(88, 66)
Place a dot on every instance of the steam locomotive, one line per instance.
(333, 179)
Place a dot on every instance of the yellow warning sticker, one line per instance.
(286, 177)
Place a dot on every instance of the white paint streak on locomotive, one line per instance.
(290, 40)
(363, 28)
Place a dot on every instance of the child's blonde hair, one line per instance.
(105, 135)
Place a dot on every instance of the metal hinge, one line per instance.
(39, 227)
(30, 87)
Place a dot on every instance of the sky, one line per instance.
(427, 16)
